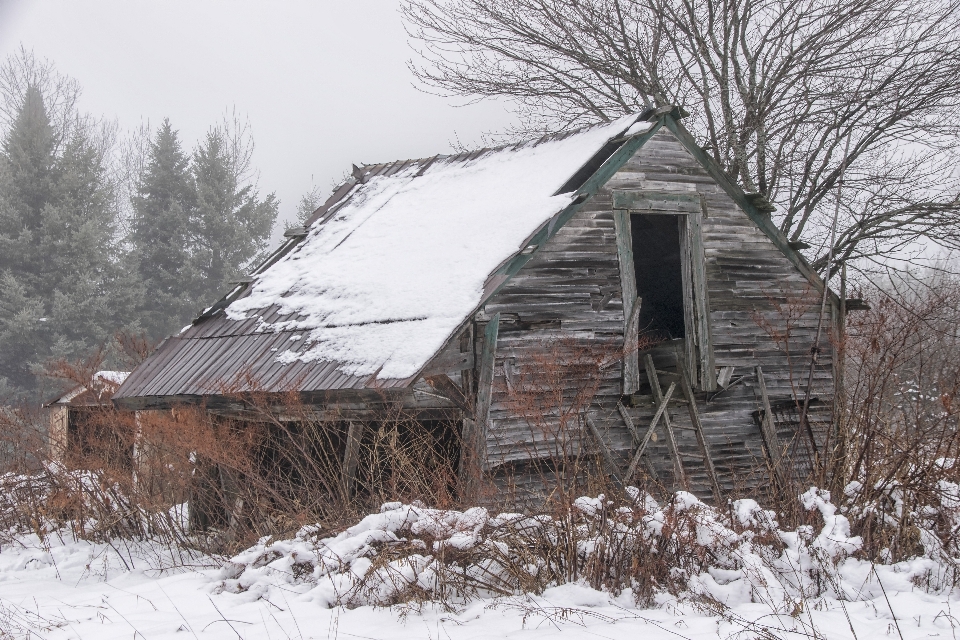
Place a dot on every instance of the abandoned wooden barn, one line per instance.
(447, 284)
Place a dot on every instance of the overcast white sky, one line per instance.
(323, 83)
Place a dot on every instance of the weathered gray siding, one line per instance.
(763, 311)
(560, 294)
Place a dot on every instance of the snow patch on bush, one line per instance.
(411, 552)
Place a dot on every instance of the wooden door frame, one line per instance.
(698, 343)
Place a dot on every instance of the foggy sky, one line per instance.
(324, 84)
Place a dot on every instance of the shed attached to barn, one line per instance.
(450, 285)
(78, 431)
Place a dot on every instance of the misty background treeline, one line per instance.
(104, 231)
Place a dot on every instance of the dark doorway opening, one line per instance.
(657, 262)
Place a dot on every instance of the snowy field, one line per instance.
(68, 589)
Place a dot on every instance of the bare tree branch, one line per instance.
(775, 88)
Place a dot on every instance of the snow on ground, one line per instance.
(67, 589)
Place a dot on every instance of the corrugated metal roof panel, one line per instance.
(209, 366)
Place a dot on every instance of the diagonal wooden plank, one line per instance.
(698, 427)
(449, 389)
(661, 410)
(627, 420)
(671, 437)
(767, 429)
(636, 438)
(604, 450)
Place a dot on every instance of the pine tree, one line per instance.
(232, 224)
(68, 280)
(89, 297)
(160, 236)
(27, 166)
(30, 174)
(59, 274)
(309, 202)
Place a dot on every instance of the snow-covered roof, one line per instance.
(113, 377)
(382, 284)
(102, 385)
(392, 265)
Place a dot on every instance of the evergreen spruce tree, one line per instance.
(68, 280)
(59, 275)
(232, 225)
(29, 168)
(89, 295)
(309, 202)
(160, 236)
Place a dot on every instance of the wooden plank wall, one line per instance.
(569, 291)
(763, 312)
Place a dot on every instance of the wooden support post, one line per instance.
(467, 471)
(767, 429)
(631, 304)
(671, 437)
(698, 429)
(232, 502)
(661, 409)
(604, 450)
(58, 436)
(838, 451)
(137, 462)
(474, 441)
(351, 459)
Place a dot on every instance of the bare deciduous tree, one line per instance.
(775, 88)
(23, 70)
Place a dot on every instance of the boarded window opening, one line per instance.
(659, 274)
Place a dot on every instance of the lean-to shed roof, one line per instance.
(98, 391)
(390, 267)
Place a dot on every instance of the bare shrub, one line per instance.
(547, 395)
(899, 443)
(412, 555)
